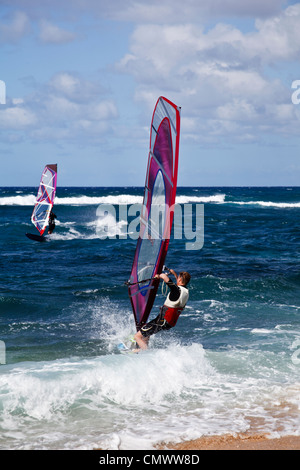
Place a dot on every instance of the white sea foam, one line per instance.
(122, 402)
(70, 234)
(100, 228)
(108, 226)
(94, 200)
(279, 205)
(29, 200)
(261, 331)
(217, 198)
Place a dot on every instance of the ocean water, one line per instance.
(232, 363)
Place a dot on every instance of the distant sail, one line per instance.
(157, 210)
(45, 198)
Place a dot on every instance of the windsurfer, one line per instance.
(51, 227)
(170, 311)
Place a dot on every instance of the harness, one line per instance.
(172, 314)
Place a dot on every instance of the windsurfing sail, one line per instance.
(45, 198)
(157, 211)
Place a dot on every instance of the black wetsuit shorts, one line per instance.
(156, 325)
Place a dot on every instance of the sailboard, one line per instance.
(157, 210)
(123, 349)
(44, 201)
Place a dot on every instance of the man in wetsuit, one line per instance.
(172, 308)
(51, 227)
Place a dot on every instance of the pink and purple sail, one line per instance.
(157, 210)
(45, 198)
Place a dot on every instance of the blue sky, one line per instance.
(82, 79)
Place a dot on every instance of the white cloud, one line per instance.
(66, 83)
(222, 77)
(60, 108)
(75, 87)
(16, 118)
(219, 76)
(164, 47)
(15, 27)
(174, 11)
(275, 39)
(54, 112)
(50, 33)
(102, 111)
(156, 11)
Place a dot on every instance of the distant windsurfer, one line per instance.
(52, 218)
(172, 308)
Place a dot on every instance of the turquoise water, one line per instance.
(230, 365)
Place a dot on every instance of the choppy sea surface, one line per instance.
(231, 364)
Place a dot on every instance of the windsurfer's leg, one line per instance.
(141, 340)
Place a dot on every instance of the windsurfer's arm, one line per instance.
(175, 291)
(164, 277)
(174, 274)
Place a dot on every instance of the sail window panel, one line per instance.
(154, 230)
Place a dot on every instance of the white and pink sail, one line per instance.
(45, 198)
(157, 210)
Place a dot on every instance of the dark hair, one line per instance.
(185, 276)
